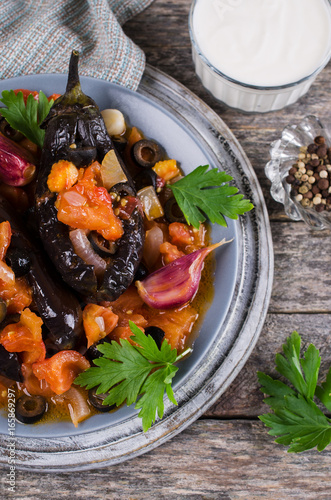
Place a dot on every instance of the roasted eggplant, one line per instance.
(57, 305)
(75, 131)
(10, 366)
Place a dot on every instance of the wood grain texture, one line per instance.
(244, 398)
(214, 460)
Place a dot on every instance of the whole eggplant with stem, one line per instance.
(75, 131)
(57, 305)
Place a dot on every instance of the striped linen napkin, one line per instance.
(37, 36)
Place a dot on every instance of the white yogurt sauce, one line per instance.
(263, 42)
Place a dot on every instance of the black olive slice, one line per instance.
(96, 400)
(3, 310)
(145, 178)
(93, 351)
(82, 156)
(9, 319)
(122, 189)
(141, 273)
(156, 333)
(172, 211)
(30, 409)
(102, 247)
(19, 261)
(10, 132)
(146, 153)
(120, 143)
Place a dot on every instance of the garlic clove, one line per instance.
(175, 284)
(114, 121)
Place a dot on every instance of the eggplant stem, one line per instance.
(73, 76)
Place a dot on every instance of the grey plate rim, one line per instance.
(244, 320)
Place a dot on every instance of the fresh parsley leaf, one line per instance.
(139, 373)
(323, 392)
(291, 366)
(26, 118)
(296, 418)
(300, 423)
(276, 389)
(204, 193)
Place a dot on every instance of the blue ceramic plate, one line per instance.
(192, 134)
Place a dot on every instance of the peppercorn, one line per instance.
(305, 202)
(321, 151)
(319, 140)
(323, 184)
(310, 177)
(312, 148)
(290, 179)
(303, 189)
(320, 207)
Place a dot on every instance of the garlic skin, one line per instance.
(114, 121)
(175, 284)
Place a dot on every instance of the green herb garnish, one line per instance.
(206, 192)
(26, 118)
(296, 418)
(134, 373)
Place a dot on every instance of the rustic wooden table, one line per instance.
(228, 454)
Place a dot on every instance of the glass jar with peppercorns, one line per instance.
(300, 172)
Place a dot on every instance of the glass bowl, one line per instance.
(284, 154)
(246, 97)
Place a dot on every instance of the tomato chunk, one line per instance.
(170, 252)
(87, 206)
(60, 370)
(17, 296)
(63, 175)
(177, 325)
(25, 336)
(166, 169)
(123, 332)
(26, 94)
(98, 322)
(180, 234)
(54, 97)
(32, 384)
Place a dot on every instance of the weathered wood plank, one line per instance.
(302, 275)
(210, 460)
(243, 398)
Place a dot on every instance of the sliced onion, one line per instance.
(150, 202)
(153, 240)
(111, 170)
(101, 323)
(78, 407)
(83, 249)
(74, 198)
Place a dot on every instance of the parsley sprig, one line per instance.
(26, 118)
(206, 192)
(139, 373)
(296, 418)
